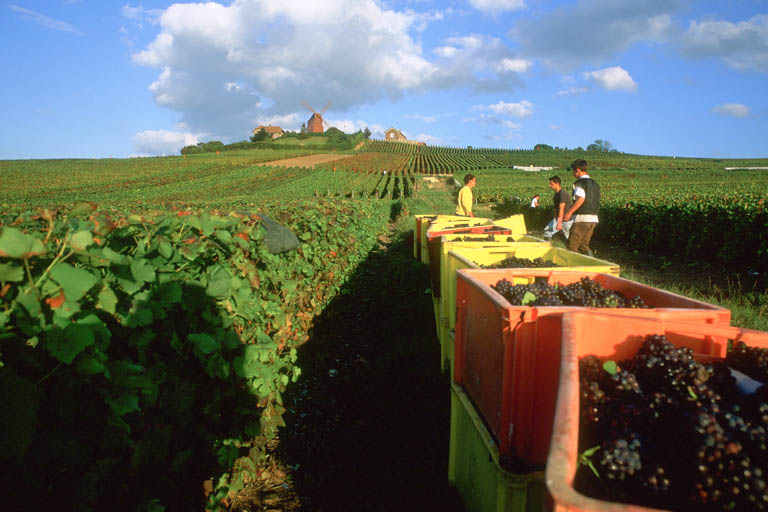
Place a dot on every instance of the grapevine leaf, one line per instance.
(165, 248)
(107, 300)
(81, 240)
(610, 367)
(18, 245)
(204, 342)
(528, 298)
(29, 300)
(74, 281)
(219, 283)
(142, 271)
(11, 273)
(83, 208)
(66, 345)
(123, 404)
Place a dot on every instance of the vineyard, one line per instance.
(153, 310)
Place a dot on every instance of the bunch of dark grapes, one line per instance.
(674, 433)
(587, 292)
(751, 361)
(513, 262)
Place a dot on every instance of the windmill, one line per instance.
(316, 122)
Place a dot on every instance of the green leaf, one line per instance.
(142, 271)
(11, 273)
(611, 367)
(123, 404)
(528, 298)
(107, 300)
(81, 240)
(306, 236)
(74, 281)
(18, 245)
(66, 345)
(219, 283)
(28, 299)
(165, 248)
(204, 342)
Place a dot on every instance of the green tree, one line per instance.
(600, 145)
(367, 133)
(260, 136)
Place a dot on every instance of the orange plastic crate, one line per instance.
(589, 333)
(507, 357)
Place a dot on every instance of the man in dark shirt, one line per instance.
(562, 201)
(586, 206)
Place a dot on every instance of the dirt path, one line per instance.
(309, 161)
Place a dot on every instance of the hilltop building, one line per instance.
(273, 131)
(395, 135)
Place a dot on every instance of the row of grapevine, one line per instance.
(142, 353)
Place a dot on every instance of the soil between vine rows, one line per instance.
(368, 421)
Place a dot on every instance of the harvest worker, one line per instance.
(586, 206)
(464, 207)
(535, 201)
(562, 201)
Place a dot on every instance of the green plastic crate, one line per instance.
(474, 470)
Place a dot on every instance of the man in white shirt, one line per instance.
(586, 206)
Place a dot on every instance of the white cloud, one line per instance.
(573, 91)
(558, 39)
(511, 125)
(732, 110)
(497, 5)
(139, 13)
(44, 20)
(422, 118)
(514, 65)
(163, 142)
(521, 110)
(742, 45)
(614, 79)
(430, 139)
(280, 54)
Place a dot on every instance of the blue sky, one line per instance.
(91, 79)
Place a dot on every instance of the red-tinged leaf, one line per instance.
(243, 236)
(56, 302)
(18, 245)
(83, 208)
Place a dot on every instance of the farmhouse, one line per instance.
(273, 131)
(395, 135)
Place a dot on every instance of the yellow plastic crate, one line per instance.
(468, 257)
(474, 470)
(443, 223)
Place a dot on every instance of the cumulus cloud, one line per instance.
(494, 6)
(514, 65)
(162, 142)
(43, 20)
(222, 66)
(732, 110)
(593, 31)
(521, 110)
(742, 45)
(614, 79)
